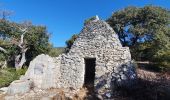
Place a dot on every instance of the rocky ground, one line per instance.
(150, 86)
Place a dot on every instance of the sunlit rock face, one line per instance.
(19, 87)
(44, 71)
(97, 40)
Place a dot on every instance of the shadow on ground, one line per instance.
(150, 86)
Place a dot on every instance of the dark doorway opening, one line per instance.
(90, 64)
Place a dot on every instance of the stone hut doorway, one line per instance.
(90, 64)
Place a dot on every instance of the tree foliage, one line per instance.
(35, 40)
(56, 51)
(70, 42)
(138, 24)
(145, 30)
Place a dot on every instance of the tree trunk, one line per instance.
(20, 62)
(134, 41)
(20, 59)
(5, 64)
(3, 50)
(17, 60)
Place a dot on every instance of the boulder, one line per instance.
(19, 87)
(44, 71)
(3, 90)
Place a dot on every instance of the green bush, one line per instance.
(8, 75)
(162, 60)
(164, 66)
(21, 71)
(54, 52)
(90, 19)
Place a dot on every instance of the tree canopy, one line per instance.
(134, 25)
(70, 42)
(22, 40)
(145, 28)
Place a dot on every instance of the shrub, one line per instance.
(54, 52)
(8, 75)
(162, 60)
(21, 71)
(164, 66)
(90, 19)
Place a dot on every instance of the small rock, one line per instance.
(108, 95)
(99, 97)
(3, 90)
(46, 98)
(9, 97)
(19, 87)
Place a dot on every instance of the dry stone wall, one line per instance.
(113, 62)
(96, 40)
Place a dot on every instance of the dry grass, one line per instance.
(81, 95)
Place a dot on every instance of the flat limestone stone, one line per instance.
(19, 87)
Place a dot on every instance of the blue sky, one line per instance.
(64, 18)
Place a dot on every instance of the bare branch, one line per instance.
(2, 49)
(4, 65)
(5, 13)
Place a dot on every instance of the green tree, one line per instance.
(55, 51)
(23, 41)
(145, 30)
(70, 42)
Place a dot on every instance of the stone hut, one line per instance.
(96, 59)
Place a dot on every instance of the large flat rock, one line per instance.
(19, 87)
